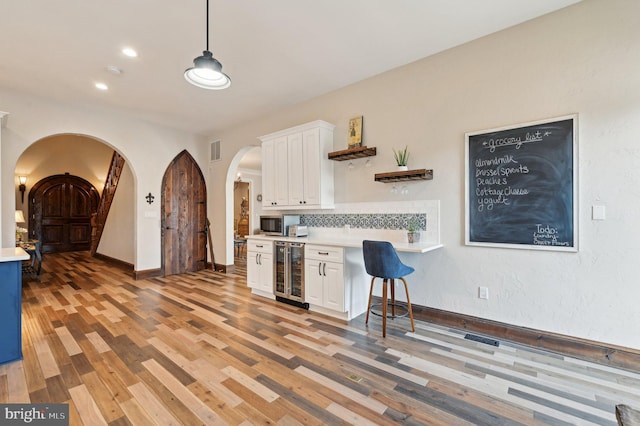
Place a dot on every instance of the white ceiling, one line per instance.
(277, 52)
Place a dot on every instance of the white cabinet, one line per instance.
(275, 177)
(324, 278)
(297, 173)
(268, 173)
(260, 267)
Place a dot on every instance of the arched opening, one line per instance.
(247, 163)
(86, 157)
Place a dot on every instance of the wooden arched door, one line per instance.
(184, 217)
(60, 209)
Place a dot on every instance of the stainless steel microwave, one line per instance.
(278, 224)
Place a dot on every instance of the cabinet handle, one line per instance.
(300, 202)
(259, 245)
(320, 269)
(324, 269)
(324, 253)
(259, 258)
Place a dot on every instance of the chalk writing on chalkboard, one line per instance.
(521, 186)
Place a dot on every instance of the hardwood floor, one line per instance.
(200, 349)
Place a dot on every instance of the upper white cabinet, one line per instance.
(296, 171)
(275, 183)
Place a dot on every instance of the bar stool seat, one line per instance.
(382, 261)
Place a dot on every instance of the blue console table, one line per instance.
(11, 304)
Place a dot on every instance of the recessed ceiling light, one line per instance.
(130, 52)
(101, 86)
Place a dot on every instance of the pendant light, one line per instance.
(207, 70)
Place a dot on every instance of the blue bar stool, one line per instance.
(381, 261)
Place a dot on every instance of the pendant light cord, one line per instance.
(207, 24)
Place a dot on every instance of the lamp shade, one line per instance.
(20, 217)
(207, 73)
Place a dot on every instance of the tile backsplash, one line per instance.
(365, 220)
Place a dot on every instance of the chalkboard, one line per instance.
(521, 186)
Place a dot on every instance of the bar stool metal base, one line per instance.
(396, 306)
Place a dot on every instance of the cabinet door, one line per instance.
(333, 276)
(313, 287)
(10, 311)
(266, 273)
(311, 178)
(281, 173)
(268, 174)
(296, 169)
(253, 269)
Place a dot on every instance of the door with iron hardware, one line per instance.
(184, 217)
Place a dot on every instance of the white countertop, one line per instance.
(13, 254)
(350, 241)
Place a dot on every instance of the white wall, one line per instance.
(117, 234)
(147, 148)
(584, 59)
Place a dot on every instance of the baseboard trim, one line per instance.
(115, 262)
(601, 353)
(225, 269)
(148, 273)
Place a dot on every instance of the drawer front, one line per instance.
(260, 246)
(327, 253)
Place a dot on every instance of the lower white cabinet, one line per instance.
(260, 266)
(324, 278)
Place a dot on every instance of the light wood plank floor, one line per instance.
(200, 349)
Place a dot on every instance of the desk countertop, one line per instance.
(351, 241)
(13, 254)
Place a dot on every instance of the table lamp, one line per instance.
(19, 230)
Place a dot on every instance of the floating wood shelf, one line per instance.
(418, 174)
(352, 153)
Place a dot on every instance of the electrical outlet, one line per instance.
(483, 292)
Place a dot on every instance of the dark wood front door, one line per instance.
(184, 217)
(60, 209)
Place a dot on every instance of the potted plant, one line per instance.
(401, 156)
(413, 230)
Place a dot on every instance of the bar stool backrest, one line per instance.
(381, 260)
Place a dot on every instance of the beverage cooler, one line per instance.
(288, 281)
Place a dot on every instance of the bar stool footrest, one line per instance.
(378, 313)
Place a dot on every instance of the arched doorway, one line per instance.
(248, 162)
(61, 207)
(88, 157)
(184, 216)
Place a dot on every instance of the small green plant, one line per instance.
(401, 156)
(413, 225)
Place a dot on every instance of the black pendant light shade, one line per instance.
(207, 73)
(207, 70)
